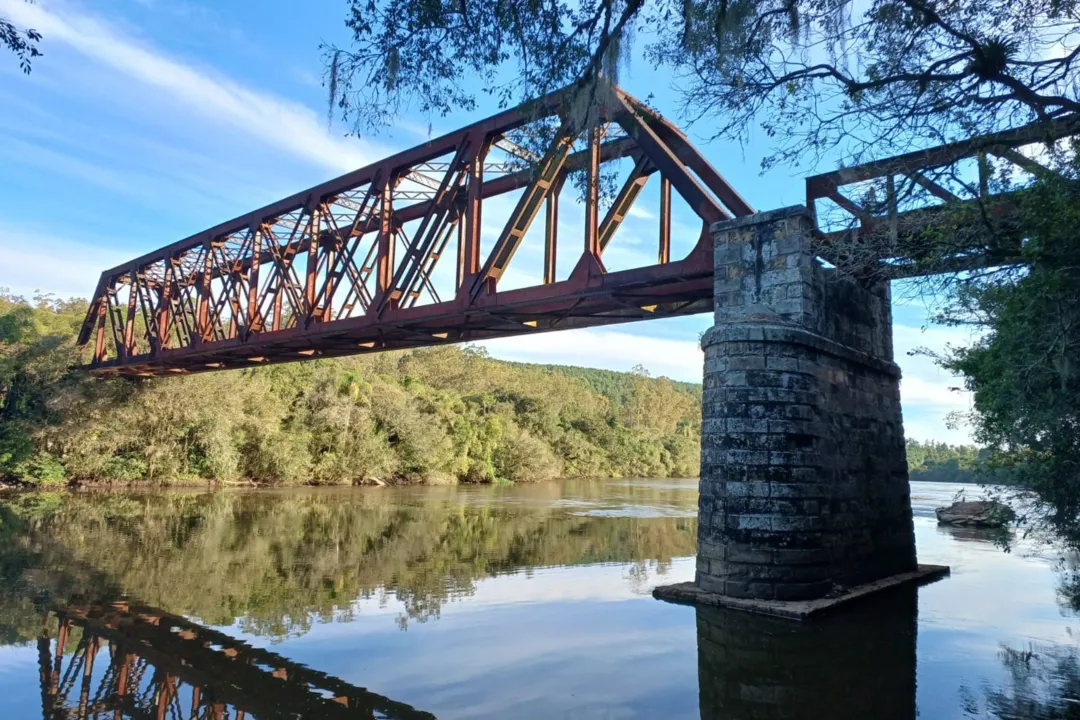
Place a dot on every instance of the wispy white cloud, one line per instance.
(928, 393)
(286, 125)
(934, 426)
(39, 156)
(937, 394)
(33, 259)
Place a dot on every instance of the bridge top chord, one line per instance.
(353, 265)
(880, 209)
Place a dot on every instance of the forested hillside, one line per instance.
(440, 415)
(940, 462)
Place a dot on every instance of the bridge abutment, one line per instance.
(804, 486)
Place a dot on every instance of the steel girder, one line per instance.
(886, 205)
(342, 268)
(152, 664)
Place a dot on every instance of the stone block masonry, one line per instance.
(804, 485)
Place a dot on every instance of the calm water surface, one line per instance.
(488, 602)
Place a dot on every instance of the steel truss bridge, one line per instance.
(112, 660)
(349, 266)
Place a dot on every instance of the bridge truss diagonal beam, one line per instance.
(352, 265)
(875, 215)
(152, 664)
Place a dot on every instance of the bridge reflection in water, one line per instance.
(116, 661)
(142, 662)
(857, 664)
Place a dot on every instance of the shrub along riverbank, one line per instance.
(440, 415)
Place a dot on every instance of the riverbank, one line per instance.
(434, 416)
(107, 485)
(438, 416)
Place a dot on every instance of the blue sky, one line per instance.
(148, 120)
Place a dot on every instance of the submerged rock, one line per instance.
(975, 513)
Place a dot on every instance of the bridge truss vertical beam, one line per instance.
(287, 282)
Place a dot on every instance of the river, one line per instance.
(526, 601)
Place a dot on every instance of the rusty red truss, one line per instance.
(887, 204)
(349, 266)
(115, 660)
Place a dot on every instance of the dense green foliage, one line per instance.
(1025, 371)
(940, 462)
(280, 560)
(437, 415)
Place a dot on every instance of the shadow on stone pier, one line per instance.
(804, 499)
(856, 664)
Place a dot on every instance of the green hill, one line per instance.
(438, 415)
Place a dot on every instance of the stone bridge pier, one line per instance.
(804, 498)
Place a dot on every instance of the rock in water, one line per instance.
(976, 513)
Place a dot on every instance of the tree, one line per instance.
(819, 77)
(21, 42)
(443, 414)
(812, 73)
(1025, 372)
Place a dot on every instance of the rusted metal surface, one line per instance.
(881, 209)
(349, 266)
(1003, 143)
(141, 662)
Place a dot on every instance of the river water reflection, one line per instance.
(499, 602)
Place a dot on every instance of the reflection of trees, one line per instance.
(1069, 583)
(280, 560)
(643, 574)
(859, 663)
(1069, 590)
(1044, 684)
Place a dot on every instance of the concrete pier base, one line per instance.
(690, 594)
(804, 485)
